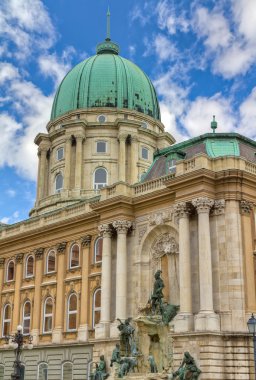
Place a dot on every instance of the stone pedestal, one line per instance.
(183, 322)
(207, 321)
(82, 333)
(102, 330)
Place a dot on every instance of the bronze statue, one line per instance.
(100, 371)
(126, 334)
(152, 363)
(157, 296)
(115, 355)
(188, 369)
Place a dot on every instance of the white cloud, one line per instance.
(5, 220)
(169, 19)
(164, 48)
(11, 193)
(198, 116)
(168, 118)
(10, 219)
(247, 125)
(7, 72)
(245, 16)
(26, 25)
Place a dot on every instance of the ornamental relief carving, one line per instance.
(160, 217)
(218, 207)
(246, 207)
(165, 245)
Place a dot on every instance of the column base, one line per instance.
(35, 335)
(57, 335)
(82, 333)
(183, 322)
(207, 321)
(102, 330)
(114, 332)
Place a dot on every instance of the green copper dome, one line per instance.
(106, 80)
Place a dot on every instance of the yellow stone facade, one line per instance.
(197, 225)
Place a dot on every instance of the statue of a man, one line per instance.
(187, 367)
(157, 295)
(126, 333)
(152, 363)
(100, 372)
(115, 355)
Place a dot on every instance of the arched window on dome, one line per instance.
(58, 182)
(96, 307)
(100, 178)
(98, 250)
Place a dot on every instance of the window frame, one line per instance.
(72, 312)
(104, 184)
(26, 318)
(145, 149)
(62, 369)
(55, 183)
(101, 142)
(26, 267)
(95, 250)
(47, 315)
(38, 369)
(47, 271)
(61, 148)
(70, 256)
(7, 269)
(94, 309)
(6, 320)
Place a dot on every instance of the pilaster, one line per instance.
(68, 144)
(79, 160)
(122, 158)
(17, 286)
(134, 159)
(39, 254)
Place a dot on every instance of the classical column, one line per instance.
(247, 239)
(84, 304)
(60, 306)
(134, 159)
(18, 279)
(39, 254)
(206, 319)
(122, 158)
(184, 320)
(42, 153)
(104, 327)
(67, 162)
(122, 227)
(79, 160)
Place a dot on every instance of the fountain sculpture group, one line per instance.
(146, 344)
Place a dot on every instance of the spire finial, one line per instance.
(108, 25)
(214, 124)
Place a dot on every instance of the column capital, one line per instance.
(86, 241)
(246, 207)
(80, 138)
(2, 261)
(105, 230)
(182, 209)
(218, 207)
(39, 253)
(19, 258)
(122, 137)
(61, 247)
(122, 226)
(134, 138)
(202, 204)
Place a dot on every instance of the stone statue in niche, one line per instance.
(157, 295)
(188, 369)
(152, 363)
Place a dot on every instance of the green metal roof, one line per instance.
(106, 80)
(222, 147)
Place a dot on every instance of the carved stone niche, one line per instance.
(165, 245)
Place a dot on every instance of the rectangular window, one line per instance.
(171, 165)
(144, 153)
(101, 147)
(60, 154)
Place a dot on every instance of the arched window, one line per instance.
(42, 371)
(98, 250)
(1, 372)
(96, 307)
(67, 371)
(51, 262)
(10, 271)
(72, 312)
(29, 266)
(60, 153)
(100, 178)
(74, 256)
(48, 315)
(6, 320)
(58, 182)
(144, 153)
(26, 317)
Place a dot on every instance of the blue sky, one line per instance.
(200, 55)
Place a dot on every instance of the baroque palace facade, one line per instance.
(117, 199)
